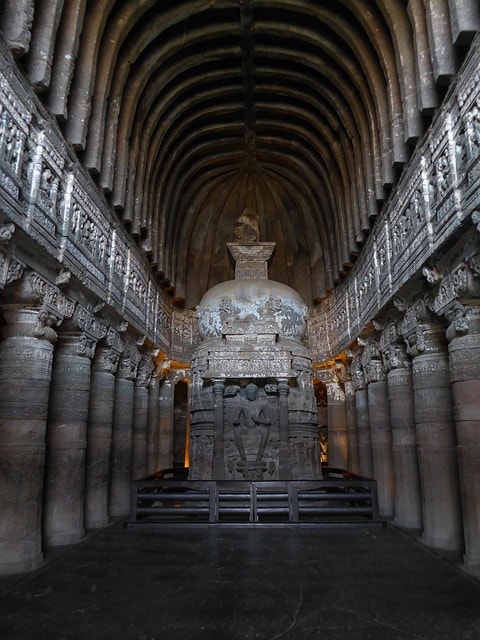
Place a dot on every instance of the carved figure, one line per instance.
(251, 418)
(246, 227)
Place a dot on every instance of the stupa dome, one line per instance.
(251, 300)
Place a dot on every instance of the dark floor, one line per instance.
(240, 584)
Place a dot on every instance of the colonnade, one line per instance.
(79, 418)
(414, 419)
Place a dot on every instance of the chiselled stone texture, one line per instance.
(437, 193)
(352, 429)
(99, 432)
(252, 389)
(380, 427)
(435, 429)
(25, 370)
(66, 440)
(122, 432)
(140, 416)
(336, 415)
(55, 203)
(165, 427)
(153, 418)
(408, 510)
(455, 296)
(67, 428)
(362, 415)
(464, 352)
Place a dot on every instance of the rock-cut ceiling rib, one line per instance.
(188, 111)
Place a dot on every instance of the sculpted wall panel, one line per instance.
(48, 195)
(437, 194)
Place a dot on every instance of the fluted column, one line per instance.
(436, 439)
(99, 430)
(284, 464)
(67, 429)
(26, 355)
(380, 428)
(352, 432)
(363, 418)
(140, 417)
(122, 433)
(408, 501)
(153, 426)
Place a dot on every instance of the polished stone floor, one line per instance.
(242, 584)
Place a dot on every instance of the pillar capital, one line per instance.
(393, 348)
(129, 361)
(372, 361)
(218, 385)
(108, 353)
(464, 320)
(356, 372)
(145, 370)
(423, 332)
(283, 386)
(34, 289)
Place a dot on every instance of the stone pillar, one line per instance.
(99, 430)
(284, 465)
(408, 501)
(218, 463)
(337, 423)
(464, 350)
(436, 440)
(153, 426)
(352, 432)
(25, 369)
(67, 429)
(165, 436)
(457, 298)
(140, 417)
(26, 355)
(363, 418)
(122, 433)
(380, 427)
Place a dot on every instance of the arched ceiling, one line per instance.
(188, 111)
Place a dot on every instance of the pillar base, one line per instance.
(410, 525)
(119, 513)
(9, 568)
(472, 568)
(64, 539)
(441, 544)
(98, 524)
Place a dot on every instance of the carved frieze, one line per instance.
(460, 283)
(88, 323)
(15, 119)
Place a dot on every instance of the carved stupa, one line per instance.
(253, 413)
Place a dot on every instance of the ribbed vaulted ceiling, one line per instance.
(188, 111)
